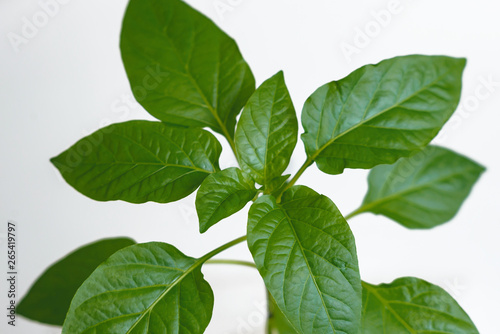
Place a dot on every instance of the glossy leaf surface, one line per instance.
(422, 191)
(140, 161)
(146, 288)
(381, 112)
(49, 298)
(305, 251)
(411, 305)
(221, 194)
(182, 68)
(267, 132)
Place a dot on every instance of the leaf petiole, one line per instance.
(230, 141)
(222, 248)
(356, 212)
(232, 262)
(297, 175)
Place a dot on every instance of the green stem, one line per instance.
(230, 141)
(194, 266)
(297, 175)
(235, 262)
(222, 248)
(354, 213)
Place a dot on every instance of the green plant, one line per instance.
(190, 75)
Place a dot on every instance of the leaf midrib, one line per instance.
(165, 137)
(289, 219)
(266, 154)
(407, 191)
(389, 308)
(133, 163)
(189, 75)
(179, 279)
(362, 122)
(209, 220)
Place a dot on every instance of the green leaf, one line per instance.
(277, 323)
(49, 297)
(381, 112)
(182, 68)
(305, 251)
(267, 132)
(411, 305)
(140, 161)
(422, 191)
(221, 194)
(275, 185)
(145, 288)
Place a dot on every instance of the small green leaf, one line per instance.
(182, 68)
(422, 191)
(267, 132)
(140, 161)
(411, 305)
(49, 297)
(381, 112)
(146, 288)
(277, 323)
(305, 251)
(221, 194)
(275, 185)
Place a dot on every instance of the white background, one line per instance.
(68, 80)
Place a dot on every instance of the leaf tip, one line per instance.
(279, 75)
(460, 62)
(482, 168)
(203, 228)
(56, 162)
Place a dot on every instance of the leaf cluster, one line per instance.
(191, 76)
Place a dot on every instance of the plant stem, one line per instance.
(222, 248)
(234, 262)
(354, 213)
(231, 142)
(297, 175)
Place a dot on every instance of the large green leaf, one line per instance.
(422, 191)
(140, 161)
(49, 298)
(305, 251)
(267, 132)
(146, 288)
(277, 323)
(221, 194)
(381, 112)
(414, 306)
(182, 68)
